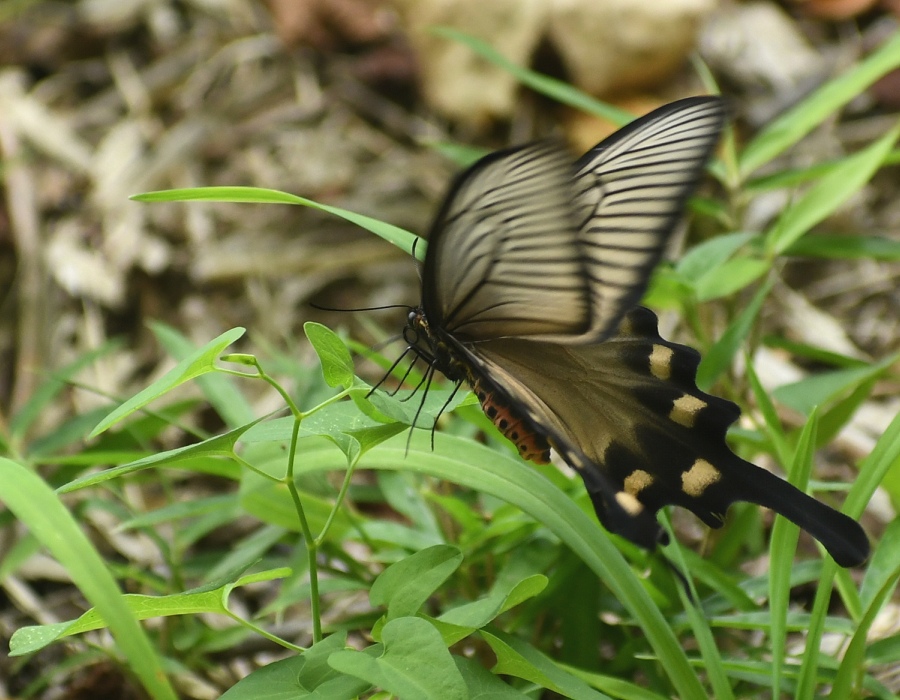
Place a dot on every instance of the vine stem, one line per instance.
(312, 544)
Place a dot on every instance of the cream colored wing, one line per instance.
(503, 256)
(630, 192)
(529, 245)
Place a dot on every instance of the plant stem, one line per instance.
(312, 547)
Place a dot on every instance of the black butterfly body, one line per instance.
(530, 290)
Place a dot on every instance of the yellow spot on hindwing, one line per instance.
(629, 503)
(699, 477)
(685, 409)
(637, 481)
(661, 362)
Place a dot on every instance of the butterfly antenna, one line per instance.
(362, 308)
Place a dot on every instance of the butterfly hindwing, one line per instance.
(628, 416)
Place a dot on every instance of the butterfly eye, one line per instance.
(411, 335)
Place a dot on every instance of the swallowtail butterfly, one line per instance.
(530, 287)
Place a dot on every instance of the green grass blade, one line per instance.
(551, 87)
(191, 367)
(721, 354)
(827, 195)
(50, 388)
(40, 510)
(852, 247)
(785, 536)
(792, 126)
(401, 238)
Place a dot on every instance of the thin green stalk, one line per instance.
(256, 470)
(337, 503)
(312, 544)
(312, 548)
(264, 633)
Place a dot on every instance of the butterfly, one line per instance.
(530, 291)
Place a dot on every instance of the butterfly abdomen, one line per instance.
(530, 444)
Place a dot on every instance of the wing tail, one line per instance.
(842, 536)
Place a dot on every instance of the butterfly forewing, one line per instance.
(630, 192)
(528, 245)
(504, 257)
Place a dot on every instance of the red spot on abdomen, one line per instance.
(531, 445)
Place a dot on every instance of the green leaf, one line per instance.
(27, 640)
(275, 681)
(721, 354)
(484, 685)
(257, 195)
(195, 365)
(555, 89)
(342, 423)
(181, 457)
(415, 663)
(405, 406)
(707, 256)
(828, 194)
(819, 389)
(730, 277)
(518, 658)
(405, 586)
(796, 123)
(503, 596)
(37, 507)
(337, 365)
(839, 247)
(516, 582)
(219, 389)
(304, 677)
